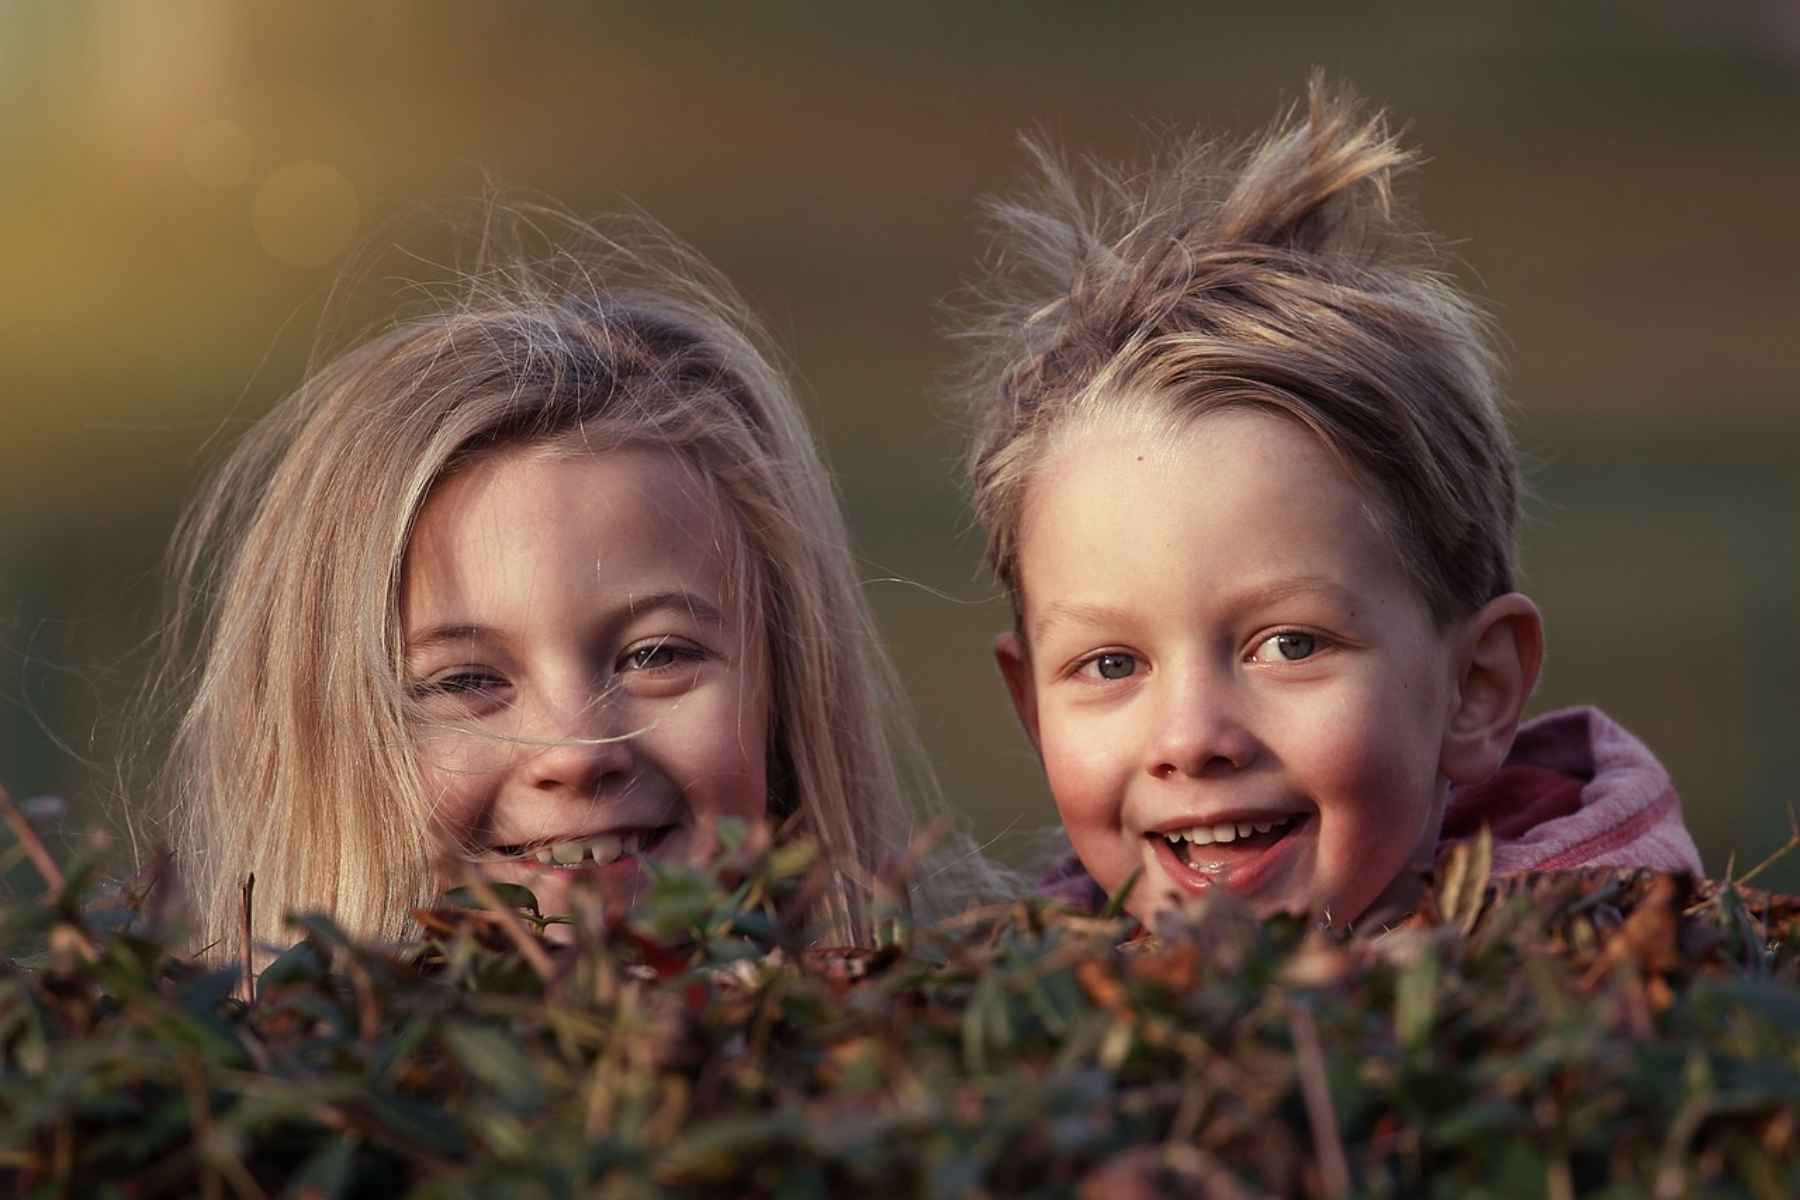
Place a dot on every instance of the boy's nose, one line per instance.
(1200, 732)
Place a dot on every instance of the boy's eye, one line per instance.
(1287, 646)
(1114, 665)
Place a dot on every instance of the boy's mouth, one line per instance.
(1228, 852)
(568, 854)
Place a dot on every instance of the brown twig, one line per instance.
(530, 949)
(1315, 1090)
(1781, 851)
(246, 982)
(193, 1085)
(32, 844)
(64, 934)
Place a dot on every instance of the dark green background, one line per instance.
(1620, 185)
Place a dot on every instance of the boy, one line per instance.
(1246, 479)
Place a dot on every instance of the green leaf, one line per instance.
(1415, 1002)
(301, 962)
(513, 895)
(496, 1060)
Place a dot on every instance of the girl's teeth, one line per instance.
(603, 849)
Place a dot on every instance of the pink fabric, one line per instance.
(1576, 791)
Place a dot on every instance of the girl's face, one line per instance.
(1229, 678)
(588, 696)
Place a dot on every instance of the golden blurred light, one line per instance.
(218, 153)
(305, 213)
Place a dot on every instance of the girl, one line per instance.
(549, 577)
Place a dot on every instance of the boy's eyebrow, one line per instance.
(1256, 596)
(1284, 589)
(1066, 612)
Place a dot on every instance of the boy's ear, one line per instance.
(1501, 649)
(1014, 661)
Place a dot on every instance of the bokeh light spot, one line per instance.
(219, 154)
(305, 213)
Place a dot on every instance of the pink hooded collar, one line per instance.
(1576, 791)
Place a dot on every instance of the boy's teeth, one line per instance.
(1225, 831)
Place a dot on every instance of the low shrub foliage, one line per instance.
(1584, 1033)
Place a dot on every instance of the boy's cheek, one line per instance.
(1376, 819)
(1087, 785)
(1083, 770)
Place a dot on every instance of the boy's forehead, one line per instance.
(1242, 485)
(1265, 444)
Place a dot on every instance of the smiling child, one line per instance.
(547, 578)
(1245, 476)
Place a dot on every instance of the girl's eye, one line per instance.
(458, 683)
(1114, 665)
(1287, 646)
(659, 656)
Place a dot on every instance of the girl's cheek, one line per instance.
(447, 758)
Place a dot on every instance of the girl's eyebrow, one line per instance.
(692, 603)
(436, 635)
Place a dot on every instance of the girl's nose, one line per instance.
(583, 753)
(1201, 730)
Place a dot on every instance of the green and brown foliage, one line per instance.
(1588, 1033)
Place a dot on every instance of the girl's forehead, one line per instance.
(559, 518)
(545, 482)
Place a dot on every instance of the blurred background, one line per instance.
(180, 184)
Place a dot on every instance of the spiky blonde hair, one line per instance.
(1279, 277)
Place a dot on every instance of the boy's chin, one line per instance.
(1156, 900)
(1399, 901)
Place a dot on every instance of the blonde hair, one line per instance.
(1281, 278)
(293, 758)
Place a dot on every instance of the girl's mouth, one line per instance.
(600, 849)
(1239, 855)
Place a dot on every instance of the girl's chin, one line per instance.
(616, 884)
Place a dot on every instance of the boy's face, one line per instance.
(1229, 678)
